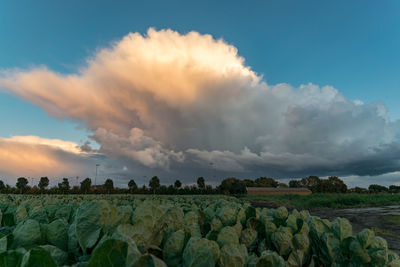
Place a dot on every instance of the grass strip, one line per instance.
(329, 200)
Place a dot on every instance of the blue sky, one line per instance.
(351, 45)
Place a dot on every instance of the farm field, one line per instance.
(379, 212)
(326, 200)
(384, 221)
(137, 230)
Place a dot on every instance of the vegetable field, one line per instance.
(329, 200)
(126, 230)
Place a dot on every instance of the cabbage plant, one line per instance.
(182, 231)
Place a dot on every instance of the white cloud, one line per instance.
(66, 146)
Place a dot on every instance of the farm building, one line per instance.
(277, 191)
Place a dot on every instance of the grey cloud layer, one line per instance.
(178, 102)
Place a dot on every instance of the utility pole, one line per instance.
(95, 178)
(212, 167)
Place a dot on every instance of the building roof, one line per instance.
(280, 189)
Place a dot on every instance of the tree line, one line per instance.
(229, 185)
(332, 184)
(86, 187)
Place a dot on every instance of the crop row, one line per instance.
(122, 230)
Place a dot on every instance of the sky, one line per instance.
(182, 89)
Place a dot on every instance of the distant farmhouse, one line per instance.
(277, 191)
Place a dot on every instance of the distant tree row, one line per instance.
(335, 185)
(375, 188)
(86, 187)
(230, 185)
(331, 185)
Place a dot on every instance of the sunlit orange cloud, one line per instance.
(126, 84)
(158, 83)
(34, 156)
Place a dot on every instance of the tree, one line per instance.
(337, 184)
(249, 183)
(331, 185)
(43, 183)
(154, 184)
(2, 186)
(209, 189)
(177, 184)
(201, 183)
(358, 190)
(295, 183)
(85, 185)
(377, 188)
(132, 186)
(394, 189)
(109, 185)
(64, 186)
(311, 182)
(22, 184)
(171, 190)
(162, 190)
(144, 189)
(324, 186)
(232, 186)
(266, 182)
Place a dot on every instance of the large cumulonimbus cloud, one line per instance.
(167, 100)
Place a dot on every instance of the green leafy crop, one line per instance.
(182, 231)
